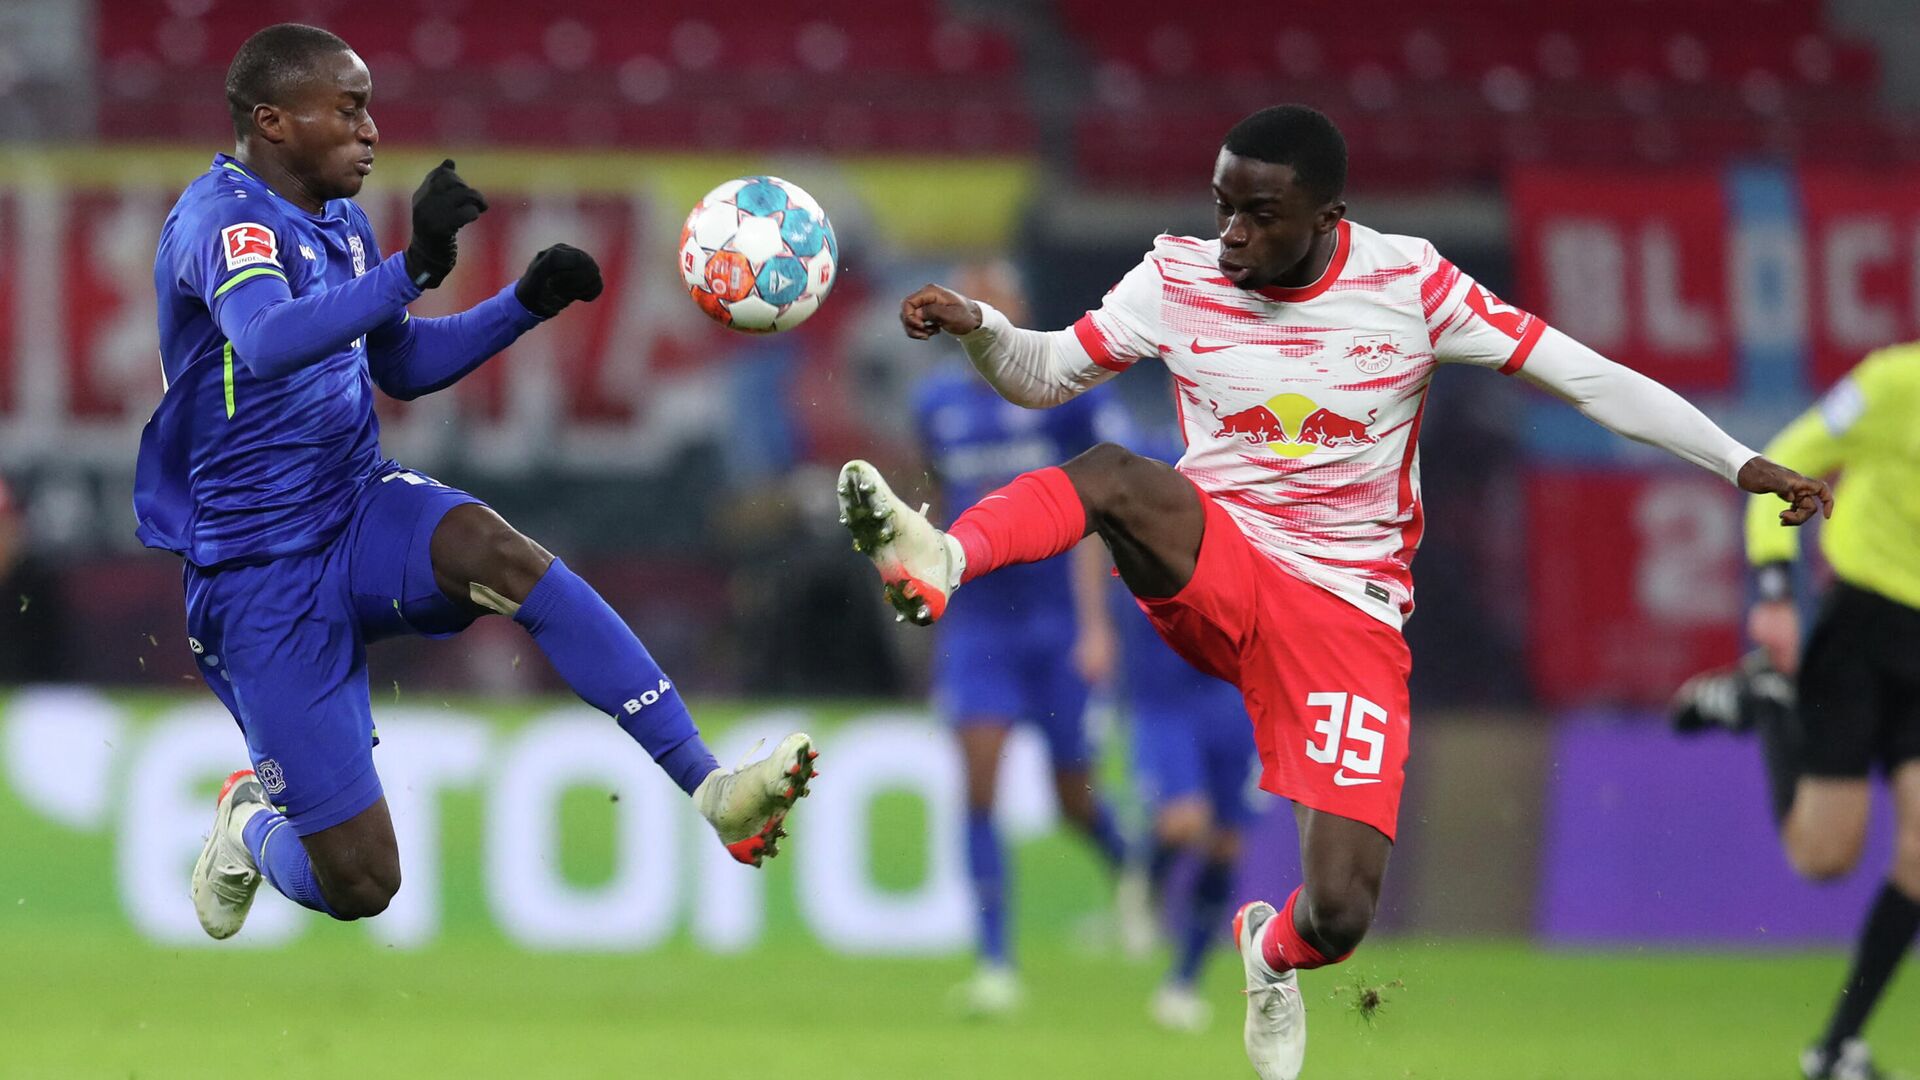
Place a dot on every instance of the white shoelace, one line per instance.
(748, 756)
(1272, 997)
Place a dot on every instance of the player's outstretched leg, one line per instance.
(1150, 517)
(482, 564)
(1321, 923)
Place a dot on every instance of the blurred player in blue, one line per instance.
(1003, 661)
(262, 469)
(1194, 761)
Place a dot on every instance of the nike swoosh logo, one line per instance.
(1198, 348)
(1341, 778)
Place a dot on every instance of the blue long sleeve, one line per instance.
(411, 357)
(276, 334)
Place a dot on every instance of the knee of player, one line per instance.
(1822, 859)
(516, 561)
(1340, 918)
(363, 893)
(1104, 477)
(1183, 824)
(1906, 858)
(503, 568)
(1223, 846)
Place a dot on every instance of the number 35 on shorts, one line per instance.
(1351, 730)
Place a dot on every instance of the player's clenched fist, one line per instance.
(557, 277)
(442, 205)
(934, 308)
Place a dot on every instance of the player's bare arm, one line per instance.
(1804, 495)
(933, 308)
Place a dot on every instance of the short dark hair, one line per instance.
(270, 63)
(1298, 136)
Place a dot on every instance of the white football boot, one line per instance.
(920, 565)
(1276, 1031)
(1853, 1062)
(1135, 913)
(225, 877)
(993, 991)
(748, 805)
(1177, 1008)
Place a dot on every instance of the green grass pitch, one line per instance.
(86, 1006)
(82, 996)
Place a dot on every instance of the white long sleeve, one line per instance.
(1035, 369)
(1628, 403)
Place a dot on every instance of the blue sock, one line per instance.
(1160, 863)
(1211, 887)
(1106, 835)
(596, 653)
(282, 860)
(986, 866)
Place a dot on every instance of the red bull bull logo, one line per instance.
(1373, 353)
(1258, 424)
(1293, 425)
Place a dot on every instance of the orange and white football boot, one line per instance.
(919, 565)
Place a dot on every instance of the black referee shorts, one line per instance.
(1860, 685)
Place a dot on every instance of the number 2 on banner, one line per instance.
(1346, 718)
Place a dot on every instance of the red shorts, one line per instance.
(1325, 683)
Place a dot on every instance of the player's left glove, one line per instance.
(442, 205)
(557, 277)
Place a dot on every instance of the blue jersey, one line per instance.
(233, 465)
(975, 441)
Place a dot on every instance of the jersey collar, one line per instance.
(233, 165)
(1342, 244)
(228, 161)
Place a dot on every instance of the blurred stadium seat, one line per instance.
(654, 75)
(1432, 99)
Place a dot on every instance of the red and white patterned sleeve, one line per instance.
(1467, 324)
(1040, 369)
(1124, 329)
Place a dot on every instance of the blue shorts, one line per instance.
(1014, 670)
(1190, 733)
(283, 643)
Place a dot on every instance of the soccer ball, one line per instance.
(758, 254)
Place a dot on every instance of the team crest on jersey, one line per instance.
(1374, 353)
(359, 253)
(249, 244)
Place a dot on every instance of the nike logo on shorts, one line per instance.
(1196, 348)
(1341, 778)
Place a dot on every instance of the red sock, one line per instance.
(1282, 947)
(1036, 517)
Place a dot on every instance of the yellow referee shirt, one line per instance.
(1867, 428)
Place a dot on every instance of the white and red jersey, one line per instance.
(1301, 407)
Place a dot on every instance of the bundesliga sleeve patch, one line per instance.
(249, 244)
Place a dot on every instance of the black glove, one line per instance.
(557, 277)
(441, 205)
